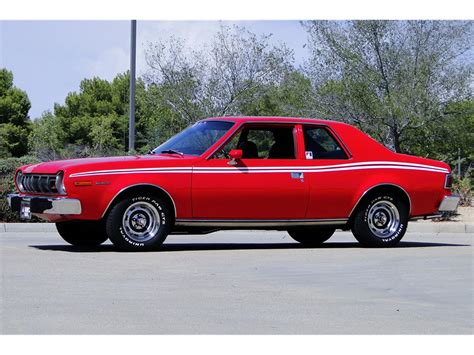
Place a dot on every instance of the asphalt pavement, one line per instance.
(239, 282)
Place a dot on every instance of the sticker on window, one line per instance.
(309, 154)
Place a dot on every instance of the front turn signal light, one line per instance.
(83, 183)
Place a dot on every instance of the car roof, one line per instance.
(358, 143)
(273, 119)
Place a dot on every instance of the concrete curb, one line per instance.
(413, 227)
(440, 227)
(27, 227)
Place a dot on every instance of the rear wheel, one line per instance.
(139, 222)
(82, 233)
(380, 221)
(312, 236)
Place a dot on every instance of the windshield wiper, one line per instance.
(172, 151)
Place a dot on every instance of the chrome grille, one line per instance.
(39, 183)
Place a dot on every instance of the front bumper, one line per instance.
(45, 205)
(449, 203)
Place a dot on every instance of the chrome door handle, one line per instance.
(297, 175)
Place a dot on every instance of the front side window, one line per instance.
(320, 144)
(258, 142)
(195, 140)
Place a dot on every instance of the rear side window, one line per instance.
(321, 144)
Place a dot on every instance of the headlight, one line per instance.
(60, 183)
(18, 181)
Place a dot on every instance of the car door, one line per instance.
(332, 182)
(263, 185)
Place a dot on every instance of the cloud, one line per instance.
(108, 63)
(196, 35)
(111, 61)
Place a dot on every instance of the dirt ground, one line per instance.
(466, 214)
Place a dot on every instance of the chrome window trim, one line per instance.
(334, 135)
(293, 132)
(237, 128)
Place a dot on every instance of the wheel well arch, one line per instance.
(378, 189)
(149, 188)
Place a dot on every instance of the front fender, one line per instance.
(97, 195)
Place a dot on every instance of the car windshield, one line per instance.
(196, 139)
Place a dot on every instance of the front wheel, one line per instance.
(139, 222)
(82, 233)
(311, 237)
(381, 221)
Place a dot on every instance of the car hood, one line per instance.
(122, 162)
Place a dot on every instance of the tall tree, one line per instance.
(91, 121)
(14, 120)
(389, 77)
(451, 141)
(292, 96)
(215, 80)
(47, 139)
(94, 121)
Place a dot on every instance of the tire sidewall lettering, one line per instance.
(366, 213)
(128, 240)
(155, 203)
(161, 214)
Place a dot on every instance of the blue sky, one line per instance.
(50, 58)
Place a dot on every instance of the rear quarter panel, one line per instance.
(424, 189)
(335, 194)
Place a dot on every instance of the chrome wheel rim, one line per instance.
(141, 221)
(383, 219)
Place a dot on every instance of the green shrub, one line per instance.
(463, 188)
(8, 167)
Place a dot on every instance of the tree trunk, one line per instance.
(396, 140)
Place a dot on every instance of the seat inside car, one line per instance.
(249, 150)
(284, 147)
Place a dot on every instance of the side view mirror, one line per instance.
(235, 154)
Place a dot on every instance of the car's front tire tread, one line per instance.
(311, 237)
(82, 233)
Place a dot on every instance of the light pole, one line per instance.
(459, 162)
(133, 50)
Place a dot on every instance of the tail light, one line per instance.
(448, 182)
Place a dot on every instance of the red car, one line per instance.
(306, 176)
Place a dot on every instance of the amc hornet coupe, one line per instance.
(305, 176)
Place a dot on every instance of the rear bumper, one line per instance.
(46, 205)
(449, 203)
